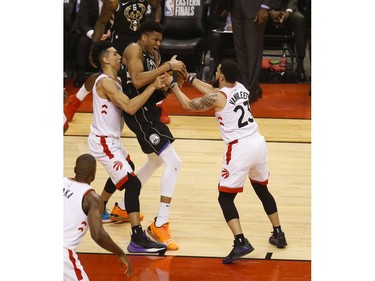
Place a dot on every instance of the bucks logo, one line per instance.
(154, 139)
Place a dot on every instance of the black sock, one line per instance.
(105, 206)
(277, 230)
(137, 231)
(240, 239)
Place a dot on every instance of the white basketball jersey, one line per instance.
(107, 118)
(235, 120)
(75, 220)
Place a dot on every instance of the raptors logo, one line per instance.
(117, 165)
(225, 173)
(154, 139)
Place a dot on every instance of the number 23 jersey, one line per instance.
(235, 120)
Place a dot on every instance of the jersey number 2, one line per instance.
(241, 121)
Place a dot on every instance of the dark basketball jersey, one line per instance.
(152, 134)
(129, 16)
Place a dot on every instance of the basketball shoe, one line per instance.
(238, 251)
(143, 244)
(278, 239)
(106, 216)
(120, 215)
(162, 234)
(70, 107)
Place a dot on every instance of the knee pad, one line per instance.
(132, 191)
(109, 186)
(269, 203)
(226, 201)
(171, 159)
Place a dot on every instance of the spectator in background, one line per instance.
(127, 17)
(285, 12)
(70, 13)
(87, 16)
(248, 22)
(220, 20)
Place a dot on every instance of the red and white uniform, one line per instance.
(246, 151)
(75, 227)
(105, 137)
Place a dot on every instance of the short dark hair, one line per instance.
(230, 70)
(98, 50)
(85, 165)
(150, 26)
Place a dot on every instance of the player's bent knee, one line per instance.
(110, 186)
(269, 203)
(226, 201)
(132, 190)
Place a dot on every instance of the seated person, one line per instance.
(285, 12)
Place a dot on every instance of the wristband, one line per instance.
(191, 79)
(170, 65)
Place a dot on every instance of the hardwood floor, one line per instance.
(197, 223)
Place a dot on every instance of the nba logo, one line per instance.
(169, 8)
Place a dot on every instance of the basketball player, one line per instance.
(245, 154)
(82, 210)
(142, 61)
(105, 143)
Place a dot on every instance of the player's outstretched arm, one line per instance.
(201, 86)
(204, 103)
(93, 207)
(130, 106)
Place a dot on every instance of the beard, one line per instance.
(215, 84)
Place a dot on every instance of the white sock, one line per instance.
(121, 204)
(163, 214)
(82, 93)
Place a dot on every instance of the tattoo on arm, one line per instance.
(205, 102)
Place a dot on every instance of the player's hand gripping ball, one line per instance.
(178, 76)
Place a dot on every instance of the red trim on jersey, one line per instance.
(123, 181)
(223, 93)
(228, 155)
(230, 189)
(261, 182)
(105, 147)
(74, 262)
(219, 118)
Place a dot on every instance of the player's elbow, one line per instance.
(130, 110)
(137, 84)
(187, 107)
(97, 237)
